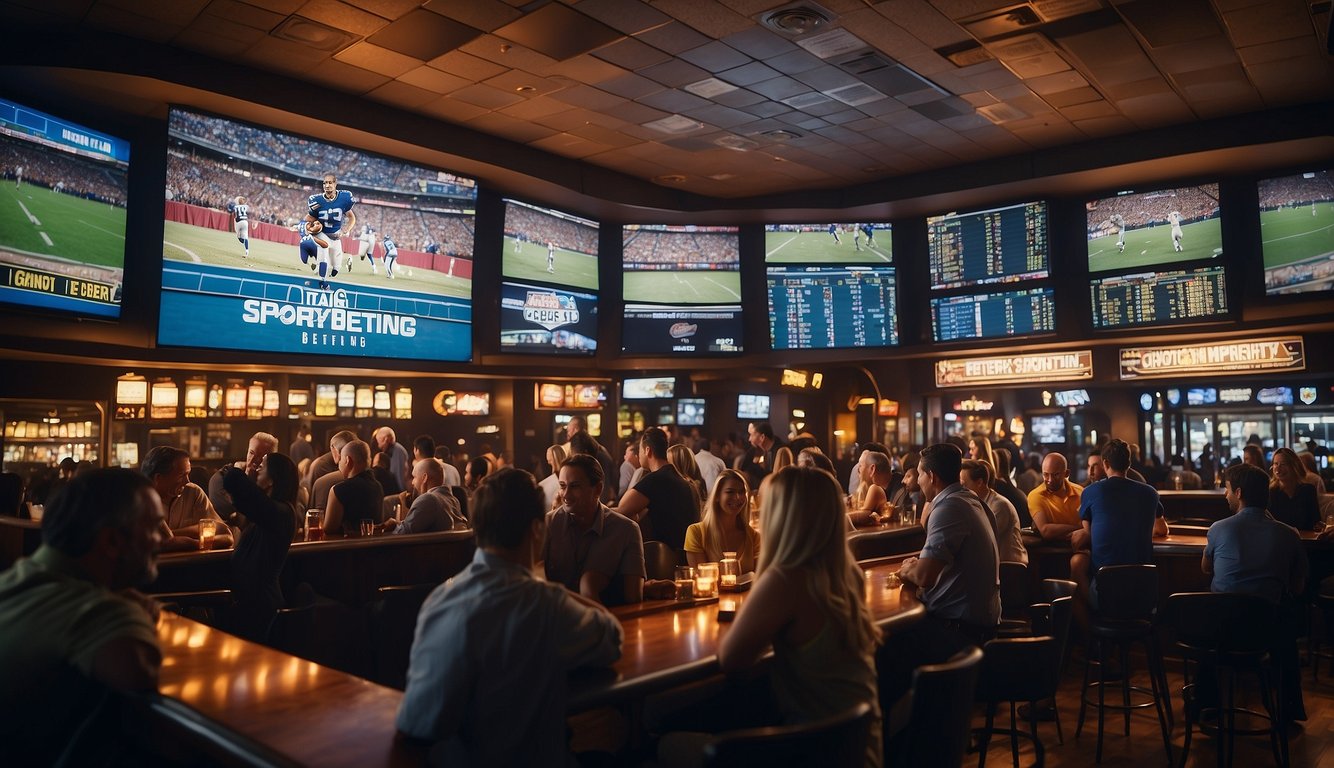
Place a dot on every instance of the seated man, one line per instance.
(261, 444)
(359, 497)
(1055, 502)
(494, 644)
(976, 476)
(589, 548)
(168, 469)
(322, 483)
(663, 503)
(433, 509)
(73, 624)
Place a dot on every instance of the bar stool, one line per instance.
(1127, 602)
(1228, 632)
(1325, 604)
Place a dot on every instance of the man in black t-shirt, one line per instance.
(663, 503)
(359, 497)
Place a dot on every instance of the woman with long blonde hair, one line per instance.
(680, 457)
(782, 458)
(808, 602)
(725, 526)
(550, 484)
(1291, 499)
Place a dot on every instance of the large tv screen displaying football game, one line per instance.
(845, 243)
(1132, 229)
(682, 290)
(280, 243)
(550, 265)
(1297, 232)
(62, 213)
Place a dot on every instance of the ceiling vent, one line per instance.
(674, 124)
(797, 19)
(299, 29)
(856, 94)
(778, 134)
(738, 143)
(805, 100)
(886, 76)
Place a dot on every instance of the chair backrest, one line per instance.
(894, 541)
(1233, 622)
(393, 624)
(1127, 592)
(942, 709)
(1013, 588)
(832, 742)
(1013, 669)
(1054, 588)
(293, 628)
(659, 560)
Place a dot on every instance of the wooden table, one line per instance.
(19, 537)
(668, 644)
(311, 714)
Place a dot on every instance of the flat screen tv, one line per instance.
(1131, 230)
(290, 244)
(62, 213)
(832, 306)
(752, 407)
(993, 315)
(543, 318)
(836, 243)
(690, 412)
(1006, 244)
(649, 389)
(1171, 297)
(1047, 430)
(546, 248)
(682, 290)
(1297, 232)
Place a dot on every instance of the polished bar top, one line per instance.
(312, 714)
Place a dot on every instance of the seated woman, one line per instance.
(268, 502)
(550, 484)
(725, 527)
(808, 604)
(684, 461)
(1291, 500)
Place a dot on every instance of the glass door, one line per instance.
(1235, 430)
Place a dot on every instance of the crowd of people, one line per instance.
(1153, 209)
(659, 249)
(62, 172)
(533, 226)
(1294, 191)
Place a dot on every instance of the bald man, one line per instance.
(1055, 503)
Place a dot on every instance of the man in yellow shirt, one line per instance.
(1055, 503)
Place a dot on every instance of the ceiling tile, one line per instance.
(1062, 99)
(588, 97)
(765, 109)
(1267, 23)
(759, 42)
(673, 37)
(485, 96)
(715, 19)
(424, 35)
(779, 88)
(715, 57)
(168, 12)
(284, 7)
(1089, 110)
(559, 31)
(514, 129)
(739, 98)
(507, 54)
(569, 145)
(636, 113)
(628, 17)
(630, 86)
(673, 101)
(453, 110)
(723, 117)
(467, 66)
(1061, 81)
(1285, 81)
(794, 62)
(377, 59)
(631, 54)
(132, 24)
(433, 79)
(336, 74)
(485, 15)
(343, 16)
(402, 95)
(1278, 51)
(746, 74)
(674, 73)
(538, 106)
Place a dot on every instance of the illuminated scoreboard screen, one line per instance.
(997, 245)
(993, 315)
(1159, 298)
(832, 307)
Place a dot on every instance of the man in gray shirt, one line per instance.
(433, 509)
(589, 548)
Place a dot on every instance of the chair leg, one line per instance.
(1160, 700)
(1227, 719)
(1084, 687)
(1102, 696)
(1187, 695)
(1157, 667)
(1039, 753)
(1014, 734)
(986, 735)
(1123, 649)
(1060, 737)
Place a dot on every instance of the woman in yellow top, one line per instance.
(725, 527)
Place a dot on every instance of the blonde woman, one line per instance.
(1291, 499)
(979, 449)
(808, 603)
(550, 484)
(725, 527)
(782, 458)
(680, 457)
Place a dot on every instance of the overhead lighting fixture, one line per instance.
(299, 29)
(779, 134)
(797, 19)
(709, 88)
(674, 124)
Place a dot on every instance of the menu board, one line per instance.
(997, 245)
(832, 307)
(1159, 298)
(992, 315)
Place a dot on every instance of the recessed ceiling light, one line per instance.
(778, 134)
(524, 89)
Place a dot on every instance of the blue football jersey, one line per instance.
(390, 247)
(331, 212)
(240, 212)
(309, 246)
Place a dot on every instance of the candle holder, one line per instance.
(729, 572)
(706, 580)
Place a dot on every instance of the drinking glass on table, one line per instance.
(367, 526)
(685, 582)
(208, 531)
(706, 580)
(314, 525)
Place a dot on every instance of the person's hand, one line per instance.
(659, 589)
(403, 498)
(1080, 540)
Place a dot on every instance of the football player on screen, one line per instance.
(367, 248)
(390, 256)
(311, 243)
(1119, 224)
(333, 210)
(240, 212)
(1175, 218)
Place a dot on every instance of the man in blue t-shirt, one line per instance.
(1120, 519)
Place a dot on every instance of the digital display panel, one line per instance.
(289, 244)
(1201, 396)
(832, 307)
(838, 243)
(1130, 229)
(548, 247)
(752, 406)
(539, 318)
(993, 315)
(649, 389)
(1067, 398)
(997, 245)
(62, 213)
(690, 412)
(682, 290)
(1297, 232)
(1159, 298)
(1047, 429)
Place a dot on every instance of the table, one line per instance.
(311, 714)
(19, 537)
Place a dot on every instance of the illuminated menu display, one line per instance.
(999, 245)
(822, 307)
(1159, 297)
(991, 315)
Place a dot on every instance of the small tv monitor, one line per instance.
(549, 246)
(1048, 430)
(660, 387)
(682, 290)
(1071, 397)
(1274, 396)
(1297, 232)
(832, 306)
(993, 315)
(1006, 244)
(690, 412)
(1202, 396)
(541, 318)
(835, 243)
(1172, 297)
(1132, 230)
(288, 244)
(752, 406)
(62, 213)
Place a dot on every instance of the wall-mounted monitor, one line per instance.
(1159, 298)
(289, 244)
(682, 290)
(550, 246)
(690, 412)
(1130, 230)
(1297, 232)
(997, 245)
(839, 243)
(832, 307)
(1067, 398)
(752, 407)
(542, 318)
(1048, 430)
(1202, 396)
(649, 389)
(993, 315)
(62, 213)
